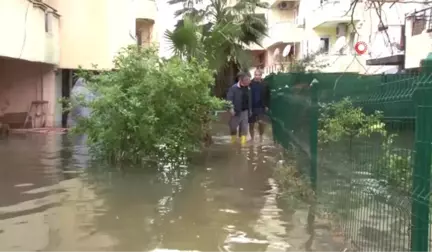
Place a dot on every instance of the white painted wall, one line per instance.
(23, 35)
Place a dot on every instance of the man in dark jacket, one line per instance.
(260, 94)
(240, 109)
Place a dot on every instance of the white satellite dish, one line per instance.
(339, 44)
(286, 50)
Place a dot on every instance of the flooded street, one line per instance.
(52, 198)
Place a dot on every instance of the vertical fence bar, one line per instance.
(314, 134)
(422, 163)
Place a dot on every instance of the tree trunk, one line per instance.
(225, 77)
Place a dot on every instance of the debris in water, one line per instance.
(228, 211)
(24, 185)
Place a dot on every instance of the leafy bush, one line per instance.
(342, 120)
(397, 165)
(148, 108)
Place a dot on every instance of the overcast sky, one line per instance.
(165, 17)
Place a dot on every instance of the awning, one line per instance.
(387, 61)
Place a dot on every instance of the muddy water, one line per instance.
(53, 198)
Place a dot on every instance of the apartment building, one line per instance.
(44, 41)
(403, 38)
(418, 35)
(283, 34)
(333, 27)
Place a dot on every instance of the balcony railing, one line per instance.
(284, 32)
(284, 67)
(51, 50)
(333, 12)
(324, 63)
(421, 20)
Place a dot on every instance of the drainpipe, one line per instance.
(36, 91)
(403, 65)
(42, 83)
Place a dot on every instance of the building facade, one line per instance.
(298, 29)
(418, 36)
(283, 33)
(43, 41)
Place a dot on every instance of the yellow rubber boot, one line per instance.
(233, 139)
(243, 140)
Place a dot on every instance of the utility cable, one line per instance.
(25, 30)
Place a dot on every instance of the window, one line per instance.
(420, 21)
(48, 22)
(419, 24)
(324, 45)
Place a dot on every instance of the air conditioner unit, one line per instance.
(341, 30)
(285, 5)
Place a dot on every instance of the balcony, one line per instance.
(284, 32)
(336, 63)
(254, 47)
(328, 63)
(418, 32)
(420, 21)
(52, 49)
(40, 41)
(387, 47)
(331, 13)
(145, 9)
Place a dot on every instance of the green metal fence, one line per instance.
(379, 196)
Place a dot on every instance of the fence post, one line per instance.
(422, 161)
(313, 140)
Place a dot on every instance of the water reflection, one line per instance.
(53, 198)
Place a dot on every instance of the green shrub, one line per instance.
(396, 164)
(148, 108)
(342, 120)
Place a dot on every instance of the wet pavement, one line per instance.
(53, 198)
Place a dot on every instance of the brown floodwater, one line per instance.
(53, 198)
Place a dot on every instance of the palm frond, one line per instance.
(254, 28)
(185, 38)
(242, 57)
(263, 5)
(172, 2)
(184, 11)
(218, 32)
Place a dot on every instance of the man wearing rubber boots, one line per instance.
(241, 106)
(260, 96)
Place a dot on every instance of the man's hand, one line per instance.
(232, 112)
(266, 109)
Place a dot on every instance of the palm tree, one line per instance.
(219, 33)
